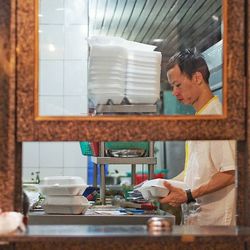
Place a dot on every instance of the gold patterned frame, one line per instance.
(32, 127)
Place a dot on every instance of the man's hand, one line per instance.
(176, 196)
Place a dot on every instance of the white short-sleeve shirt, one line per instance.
(205, 159)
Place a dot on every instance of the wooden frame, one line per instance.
(230, 125)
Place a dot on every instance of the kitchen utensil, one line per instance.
(121, 202)
(125, 152)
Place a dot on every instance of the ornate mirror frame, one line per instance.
(230, 125)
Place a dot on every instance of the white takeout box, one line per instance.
(65, 209)
(66, 200)
(62, 185)
(63, 180)
(62, 189)
(65, 204)
(155, 188)
(136, 98)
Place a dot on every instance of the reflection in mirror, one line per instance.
(110, 57)
(205, 167)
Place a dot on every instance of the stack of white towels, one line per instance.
(119, 68)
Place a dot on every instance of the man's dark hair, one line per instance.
(189, 62)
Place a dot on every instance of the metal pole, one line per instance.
(95, 175)
(133, 173)
(102, 183)
(151, 166)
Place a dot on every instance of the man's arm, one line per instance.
(178, 196)
(217, 182)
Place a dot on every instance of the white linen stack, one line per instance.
(63, 195)
(119, 68)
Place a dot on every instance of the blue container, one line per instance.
(91, 172)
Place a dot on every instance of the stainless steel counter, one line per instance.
(134, 231)
(40, 218)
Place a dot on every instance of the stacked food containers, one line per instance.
(106, 73)
(143, 76)
(119, 68)
(63, 195)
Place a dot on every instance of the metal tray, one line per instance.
(125, 153)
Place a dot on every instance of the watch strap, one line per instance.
(190, 197)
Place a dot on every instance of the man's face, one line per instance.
(185, 90)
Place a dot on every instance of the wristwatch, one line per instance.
(190, 197)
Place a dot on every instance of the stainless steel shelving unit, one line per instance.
(101, 160)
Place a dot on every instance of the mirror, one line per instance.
(107, 57)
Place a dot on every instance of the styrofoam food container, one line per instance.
(104, 81)
(101, 86)
(149, 193)
(111, 67)
(143, 64)
(107, 73)
(109, 62)
(149, 99)
(103, 98)
(108, 51)
(62, 189)
(140, 54)
(142, 87)
(65, 200)
(153, 81)
(151, 73)
(65, 209)
(145, 91)
(108, 92)
(143, 70)
(137, 76)
(152, 93)
(62, 180)
(155, 188)
(109, 40)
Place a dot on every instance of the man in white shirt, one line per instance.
(210, 165)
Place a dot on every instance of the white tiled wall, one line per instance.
(53, 158)
(63, 28)
(63, 53)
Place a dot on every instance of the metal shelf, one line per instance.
(121, 160)
(102, 160)
(126, 108)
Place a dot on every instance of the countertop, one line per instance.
(91, 231)
(115, 235)
(45, 237)
(95, 217)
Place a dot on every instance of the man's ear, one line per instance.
(198, 78)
